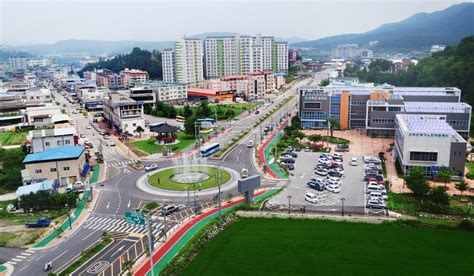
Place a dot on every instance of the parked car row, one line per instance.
(375, 186)
(288, 157)
(330, 165)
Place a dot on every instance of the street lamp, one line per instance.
(289, 204)
(342, 201)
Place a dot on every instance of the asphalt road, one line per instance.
(119, 193)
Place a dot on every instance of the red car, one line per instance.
(375, 180)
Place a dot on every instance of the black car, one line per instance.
(287, 160)
(298, 149)
(291, 167)
(257, 112)
(291, 153)
(335, 174)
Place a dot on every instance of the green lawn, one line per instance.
(238, 108)
(258, 246)
(150, 147)
(470, 167)
(8, 138)
(161, 180)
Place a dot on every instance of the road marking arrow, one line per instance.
(126, 171)
(128, 205)
(108, 205)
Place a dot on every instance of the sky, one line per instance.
(30, 21)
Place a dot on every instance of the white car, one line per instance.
(321, 172)
(336, 155)
(151, 167)
(110, 143)
(88, 127)
(324, 161)
(353, 161)
(312, 198)
(334, 182)
(333, 188)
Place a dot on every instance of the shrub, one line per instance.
(469, 175)
(466, 225)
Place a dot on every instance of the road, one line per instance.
(119, 193)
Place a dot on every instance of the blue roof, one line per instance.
(35, 187)
(59, 153)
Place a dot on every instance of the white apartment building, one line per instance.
(167, 57)
(189, 61)
(171, 93)
(242, 54)
(44, 139)
(17, 63)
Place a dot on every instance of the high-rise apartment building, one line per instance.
(243, 54)
(17, 63)
(167, 57)
(184, 64)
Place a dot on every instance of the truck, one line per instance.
(41, 222)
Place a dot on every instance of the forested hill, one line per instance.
(137, 59)
(453, 67)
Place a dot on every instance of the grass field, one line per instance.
(257, 246)
(8, 138)
(161, 180)
(149, 146)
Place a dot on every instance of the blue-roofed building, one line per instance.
(63, 165)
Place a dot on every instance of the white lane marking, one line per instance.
(16, 260)
(10, 262)
(26, 254)
(65, 251)
(120, 249)
(108, 205)
(88, 236)
(20, 256)
(23, 268)
(129, 202)
(30, 251)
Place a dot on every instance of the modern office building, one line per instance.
(375, 108)
(184, 64)
(429, 142)
(123, 114)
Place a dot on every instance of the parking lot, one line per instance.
(352, 193)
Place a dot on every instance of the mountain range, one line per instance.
(99, 47)
(417, 32)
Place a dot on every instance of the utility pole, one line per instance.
(219, 195)
(289, 204)
(150, 242)
(342, 201)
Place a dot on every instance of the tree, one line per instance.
(230, 114)
(324, 82)
(189, 126)
(444, 174)
(461, 186)
(204, 111)
(333, 123)
(439, 197)
(315, 138)
(187, 111)
(172, 112)
(298, 134)
(417, 183)
(139, 130)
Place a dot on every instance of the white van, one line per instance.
(375, 189)
(244, 173)
(353, 161)
(312, 198)
(381, 195)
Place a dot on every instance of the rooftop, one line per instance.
(35, 187)
(54, 154)
(437, 107)
(52, 132)
(425, 124)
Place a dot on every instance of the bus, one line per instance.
(209, 149)
(180, 119)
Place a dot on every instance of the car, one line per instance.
(298, 149)
(88, 127)
(375, 204)
(377, 188)
(316, 186)
(353, 161)
(342, 148)
(375, 180)
(41, 222)
(291, 167)
(337, 155)
(335, 173)
(321, 172)
(376, 176)
(82, 135)
(287, 160)
(306, 149)
(110, 143)
(333, 188)
(151, 167)
(318, 180)
(334, 182)
(76, 186)
(324, 161)
(168, 210)
(335, 178)
(250, 144)
(320, 166)
(311, 198)
(244, 173)
(326, 156)
(381, 195)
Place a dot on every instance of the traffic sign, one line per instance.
(135, 218)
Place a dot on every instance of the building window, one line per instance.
(59, 142)
(38, 171)
(67, 142)
(423, 156)
(52, 170)
(312, 105)
(46, 143)
(66, 168)
(394, 109)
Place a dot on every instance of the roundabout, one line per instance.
(182, 178)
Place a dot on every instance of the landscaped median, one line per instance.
(264, 153)
(176, 242)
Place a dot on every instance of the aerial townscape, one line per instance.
(206, 138)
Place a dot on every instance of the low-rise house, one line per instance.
(123, 114)
(64, 165)
(44, 139)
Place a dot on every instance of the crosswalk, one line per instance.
(119, 164)
(21, 257)
(118, 225)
